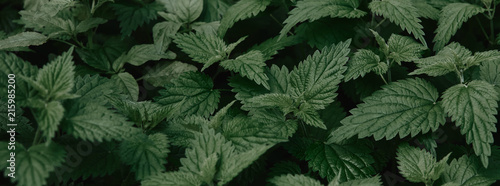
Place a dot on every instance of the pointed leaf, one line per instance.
(35, 164)
(363, 62)
(164, 72)
(58, 76)
(294, 180)
(163, 33)
(23, 39)
(404, 48)
(239, 11)
(202, 48)
(127, 85)
(418, 165)
(48, 117)
(250, 65)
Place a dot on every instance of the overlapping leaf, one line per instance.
(405, 107)
(294, 180)
(23, 39)
(465, 171)
(363, 62)
(418, 165)
(250, 65)
(240, 11)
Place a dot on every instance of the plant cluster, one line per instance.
(250, 92)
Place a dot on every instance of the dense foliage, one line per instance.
(250, 92)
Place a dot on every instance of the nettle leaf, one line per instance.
(404, 48)
(93, 89)
(383, 46)
(324, 32)
(186, 10)
(146, 114)
(425, 10)
(234, 163)
(451, 19)
(465, 171)
(192, 93)
(173, 179)
(271, 46)
(278, 79)
(373, 181)
(164, 72)
(36, 163)
(316, 78)
(58, 76)
(146, 154)
(402, 13)
(202, 48)
(275, 123)
(311, 10)
(206, 28)
(363, 62)
(250, 65)
(88, 24)
(140, 54)
(23, 39)
(350, 161)
(294, 180)
(48, 117)
(239, 11)
(418, 165)
(127, 84)
(490, 72)
(11, 64)
(163, 33)
(94, 122)
(133, 16)
(307, 113)
(103, 57)
(472, 107)
(405, 107)
(245, 88)
(47, 23)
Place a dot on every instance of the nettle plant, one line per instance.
(251, 92)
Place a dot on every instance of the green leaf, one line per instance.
(490, 72)
(324, 32)
(34, 165)
(250, 65)
(194, 93)
(282, 101)
(132, 16)
(363, 62)
(88, 24)
(234, 163)
(316, 78)
(240, 11)
(102, 57)
(140, 54)
(418, 165)
(425, 10)
(473, 107)
(47, 23)
(58, 76)
(307, 113)
(186, 10)
(373, 181)
(163, 33)
(94, 122)
(48, 117)
(405, 107)
(294, 180)
(311, 10)
(206, 28)
(383, 46)
(351, 161)
(402, 13)
(404, 48)
(23, 39)
(451, 19)
(145, 114)
(164, 72)
(93, 89)
(275, 123)
(271, 46)
(146, 154)
(127, 84)
(172, 178)
(278, 79)
(11, 64)
(202, 48)
(465, 172)
(245, 88)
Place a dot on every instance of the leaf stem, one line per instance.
(482, 29)
(380, 23)
(383, 79)
(389, 74)
(37, 136)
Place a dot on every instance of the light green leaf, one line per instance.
(58, 76)
(140, 54)
(418, 165)
(405, 107)
(146, 154)
(206, 28)
(363, 62)
(402, 13)
(307, 113)
(473, 107)
(94, 122)
(278, 79)
(186, 10)
(383, 46)
(404, 48)
(373, 181)
(490, 72)
(93, 89)
(48, 117)
(451, 19)
(465, 172)
(316, 78)
(164, 72)
(282, 101)
(202, 48)
(250, 65)
(11, 64)
(132, 16)
(271, 46)
(88, 24)
(294, 180)
(23, 39)
(172, 179)
(240, 11)
(33, 166)
(311, 10)
(163, 33)
(194, 93)
(351, 161)
(425, 10)
(127, 85)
